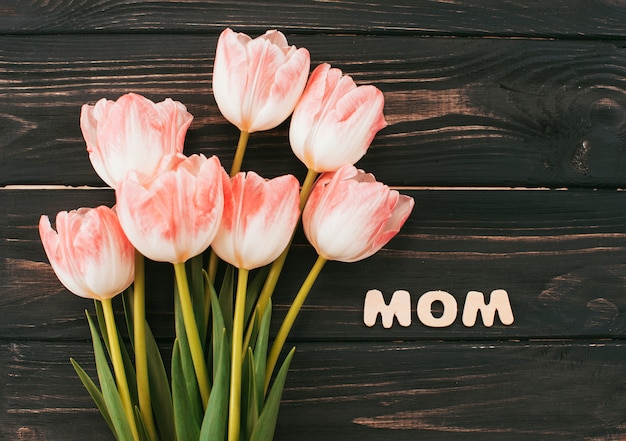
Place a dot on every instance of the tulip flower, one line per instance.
(257, 82)
(335, 121)
(175, 215)
(89, 252)
(259, 218)
(92, 257)
(258, 222)
(132, 133)
(350, 216)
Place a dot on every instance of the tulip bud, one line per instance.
(350, 216)
(335, 121)
(257, 82)
(175, 215)
(132, 133)
(89, 252)
(259, 218)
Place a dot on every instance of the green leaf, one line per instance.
(160, 392)
(227, 294)
(260, 353)
(196, 287)
(187, 427)
(188, 373)
(141, 427)
(112, 399)
(249, 401)
(94, 392)
(266, 425)
(218, 327)
(216, 415)
(254, 289)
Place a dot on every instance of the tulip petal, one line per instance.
(89, 252)
(257, 82)
(174, 216)
(132, 133)
(335, 121)
(259, 218)
(349, 215)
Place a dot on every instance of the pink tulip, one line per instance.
(335, 121)
(257, 82)
(132, 133)
(89, 252)
(259, 218)
(174, 216)
(350, 216)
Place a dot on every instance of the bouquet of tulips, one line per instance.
(225, 381)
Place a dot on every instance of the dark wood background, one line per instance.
(507, 124)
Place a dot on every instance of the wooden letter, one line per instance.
(399, 307)
(498, 302)
(425, 313)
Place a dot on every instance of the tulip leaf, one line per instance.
(218, 326)
(264, 430)
(94, 392)
(196, 287)
(160, 392)
(249, 402)
(226, 296)
(112, 399)
(186, 363)
(260, 353)
(216, 415)
(187, 427)
(254, 288)
(141, 427)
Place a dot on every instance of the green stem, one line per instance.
(118, 365)
(235, 168)
(234, 413)
(290, 318)
(277, 265)
(141, 358)
(239, 153)
(191, 329)
(307, 186)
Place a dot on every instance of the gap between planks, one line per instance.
(395, 187)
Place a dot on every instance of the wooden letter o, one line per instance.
(424, 309)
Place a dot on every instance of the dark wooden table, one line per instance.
(507, 124)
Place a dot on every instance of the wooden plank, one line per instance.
(559, 255)
(461, 111)
(551, 391)
(560, 18)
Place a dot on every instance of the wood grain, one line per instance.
(489, 104)
(566, 247)
(461, 111)
(431, 391)
(511, 18)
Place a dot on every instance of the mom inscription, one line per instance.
(437, 309)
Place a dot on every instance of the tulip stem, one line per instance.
(141, 358)
(235, 168)
(307, 186)
(234, 413)
(277, 265)
(118, 365)
(239, 153)
(191, 329)
(290, 318)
